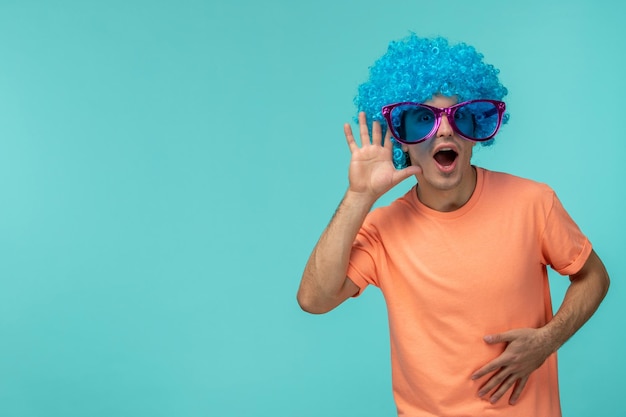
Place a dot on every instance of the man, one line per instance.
(461, 258)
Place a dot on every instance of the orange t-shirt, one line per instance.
(451, 278)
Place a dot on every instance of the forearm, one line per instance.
(587, 289)
(323, 282)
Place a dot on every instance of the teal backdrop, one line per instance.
(167, 166)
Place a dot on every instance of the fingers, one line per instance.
(487, 369)
(377, 134)
(511, 370)
(387, 139)
(492, 383)
(503, 381)
(363, 130)
(519, 387)
(501, 337)
(364, 134)
(347, 130)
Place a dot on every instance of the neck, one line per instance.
(446, 200)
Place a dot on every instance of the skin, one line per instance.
(324, 283)
(443, 191)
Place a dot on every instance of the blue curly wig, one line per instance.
(416, 69)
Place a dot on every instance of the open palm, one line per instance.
(371, 167)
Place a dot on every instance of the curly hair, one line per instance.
(416, 69)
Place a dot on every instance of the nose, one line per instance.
(444, 129)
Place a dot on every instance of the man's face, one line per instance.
(444, 158)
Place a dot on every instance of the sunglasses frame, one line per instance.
(449, 112)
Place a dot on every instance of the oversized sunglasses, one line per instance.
(476, 120)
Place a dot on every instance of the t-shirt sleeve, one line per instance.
(365, 249)
(564, 247)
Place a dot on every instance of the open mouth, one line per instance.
(445, 157)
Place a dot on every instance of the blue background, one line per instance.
(167, 166)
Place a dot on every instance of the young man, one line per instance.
(461, 258)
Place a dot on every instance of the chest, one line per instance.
(461, 265)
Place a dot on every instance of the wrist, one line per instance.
(550, 337)
(358, 200)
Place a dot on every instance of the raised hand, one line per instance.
(372, 172)
(526, 351)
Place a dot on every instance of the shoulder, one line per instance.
(395, 213)
(516, 195)
(503, 184)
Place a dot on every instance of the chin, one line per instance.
(442, 181)
(447, 184)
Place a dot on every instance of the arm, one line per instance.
(324, 283)
(527, 349)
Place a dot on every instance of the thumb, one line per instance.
(407, 172)
(499, 337)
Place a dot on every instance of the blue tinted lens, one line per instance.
(412, 122)
(477, 120)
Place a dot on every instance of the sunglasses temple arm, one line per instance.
(490, 112)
